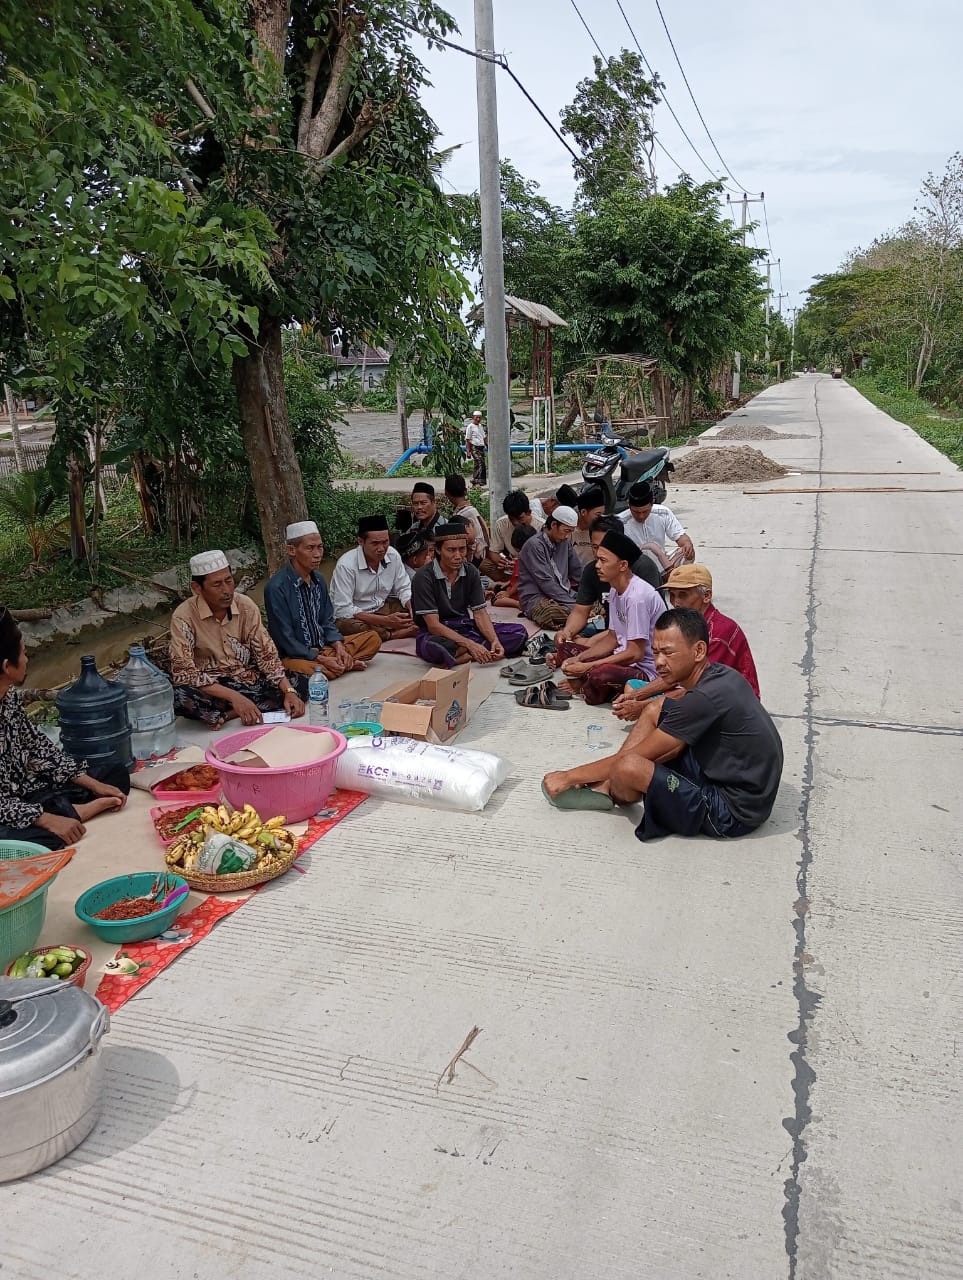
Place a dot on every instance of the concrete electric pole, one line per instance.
(493, 264)
(737, 361)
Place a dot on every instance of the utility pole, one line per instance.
(792, 341)
(779, 298)
(746, 202)
(768, 295)
(493, 263)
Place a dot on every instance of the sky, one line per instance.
(836, 111)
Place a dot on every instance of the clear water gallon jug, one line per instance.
(93, 719)
(150, 705)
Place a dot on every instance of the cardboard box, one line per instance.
(447, 715)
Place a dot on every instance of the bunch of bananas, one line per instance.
(271, 839)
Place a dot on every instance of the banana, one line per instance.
(223, 817)
(209, 815)
(272, 824)
(251, 812)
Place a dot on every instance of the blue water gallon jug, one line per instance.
(93, 719)
(150, 705)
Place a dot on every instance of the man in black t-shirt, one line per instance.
(705, 759)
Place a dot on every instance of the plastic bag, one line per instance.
(222, 855)
(413, 772)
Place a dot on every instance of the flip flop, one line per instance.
(525, 671)
(533, 675)
(542, 697)
(539, 645)
(584, 798)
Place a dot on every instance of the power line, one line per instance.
(500, 60)
(694, 103)
(664, 95)
(589, 30)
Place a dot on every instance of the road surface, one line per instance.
(696, 1060)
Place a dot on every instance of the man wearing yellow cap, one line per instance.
(690, 587)
(223, 662)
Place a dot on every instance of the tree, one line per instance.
(666, 276)
(610, 120)
(215, 172)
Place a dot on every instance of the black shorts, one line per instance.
(681, 801)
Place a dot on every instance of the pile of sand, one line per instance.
(752, 431)
(738, 465)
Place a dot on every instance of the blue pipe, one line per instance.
(515, 448)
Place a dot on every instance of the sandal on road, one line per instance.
(516, 670)
(536, 674)
(584, 798)
(543, 697)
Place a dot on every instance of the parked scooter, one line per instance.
(600, 466)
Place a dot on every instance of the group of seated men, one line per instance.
(704, 754)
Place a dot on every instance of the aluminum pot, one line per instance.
(51, 1072)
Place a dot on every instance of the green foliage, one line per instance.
(312, 406)
(611, 122)
(381, 399)
(337, 511)
(665, 276)
(27, 501)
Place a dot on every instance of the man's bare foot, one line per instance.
(102, 804)
(404, 633)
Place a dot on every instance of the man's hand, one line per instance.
(627, 707)
(479, 653)
(245, 710)
(293, 704)
(70, 830)
(496, 649)
(564, 636)
(684, 543)
(556, 783)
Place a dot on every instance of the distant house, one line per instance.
(369, 363)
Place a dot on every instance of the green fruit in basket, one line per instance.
(50, 960)
(66, 953)
(20, 966)
(64, 969)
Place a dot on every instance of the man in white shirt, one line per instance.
(646, 521)
(501, 555)
(370, 587)
(475, 447)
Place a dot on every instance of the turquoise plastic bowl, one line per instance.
(361, 729)
(136, 885)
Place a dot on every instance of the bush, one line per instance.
(337, 512)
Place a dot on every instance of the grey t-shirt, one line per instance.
(733, 739)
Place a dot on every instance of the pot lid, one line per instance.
(46, 1026)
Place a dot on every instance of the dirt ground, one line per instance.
(755, 431)
(736, 465)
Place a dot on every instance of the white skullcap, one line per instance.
(565, 515)
(477, 413)
(206, 562)
(300, 530)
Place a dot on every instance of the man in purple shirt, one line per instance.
(623, 652)
(549, 571)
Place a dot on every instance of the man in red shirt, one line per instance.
(690, 587)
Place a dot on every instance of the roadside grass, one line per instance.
(936, 426)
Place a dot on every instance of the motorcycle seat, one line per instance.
(637, 464)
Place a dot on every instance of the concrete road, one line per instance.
(696, 1060)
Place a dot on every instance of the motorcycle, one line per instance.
(599, 468)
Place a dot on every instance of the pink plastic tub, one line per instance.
(298, 791)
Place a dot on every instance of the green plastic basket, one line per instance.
(20, 924)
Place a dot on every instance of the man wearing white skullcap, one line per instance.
(223, 662)
(549, 571)
(300, 614)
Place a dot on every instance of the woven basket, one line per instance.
(204, 882)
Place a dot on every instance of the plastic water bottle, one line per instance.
(318, 698)
(150, 705)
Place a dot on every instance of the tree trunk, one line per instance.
(401, 398)
(18, 457)
(78, 516)
(266, 432)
